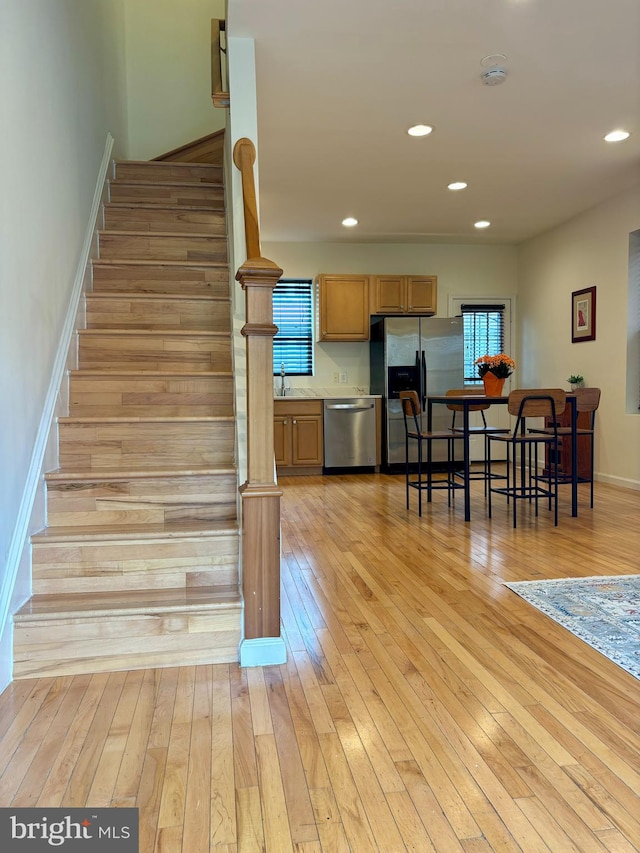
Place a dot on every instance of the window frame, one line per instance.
(305, 352)
(455, 308)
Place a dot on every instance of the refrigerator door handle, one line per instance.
(423, 381)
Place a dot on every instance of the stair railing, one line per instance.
(260, 493)
(219, 91)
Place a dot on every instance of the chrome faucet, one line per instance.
(283, 389)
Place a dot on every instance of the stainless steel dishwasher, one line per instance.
(350, 432)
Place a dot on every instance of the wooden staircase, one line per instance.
(138, 566)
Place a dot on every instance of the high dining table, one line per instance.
(466, 401)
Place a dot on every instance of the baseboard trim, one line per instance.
(622, 482)
(263, 651)
(19, 540)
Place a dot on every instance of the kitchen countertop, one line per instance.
(324, 394)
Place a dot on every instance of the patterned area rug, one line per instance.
(602, 611)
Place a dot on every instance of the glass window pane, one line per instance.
(483, 335)
(293, 315)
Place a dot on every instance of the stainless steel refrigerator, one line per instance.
(424, 354)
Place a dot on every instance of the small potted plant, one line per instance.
(576, 381)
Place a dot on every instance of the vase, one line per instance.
(493, 385)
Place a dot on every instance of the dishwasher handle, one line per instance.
(349, 407)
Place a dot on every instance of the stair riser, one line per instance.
(147, 219)
(130, 566)
(95, 396)
(154, 352)
(77, 645)
(155, 278)
(168, 172)
(163, 247)
(142, 515)
(145, 445)
(157, 313)
(141, 501)
(167, 196)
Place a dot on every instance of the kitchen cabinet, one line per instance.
(344, 308)
(404, 294)
(297, 436)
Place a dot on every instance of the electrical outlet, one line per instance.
(336, 377)
(343, 378)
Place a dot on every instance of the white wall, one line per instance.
(590, 250)
(463, 271)
(62, 92)
(169, 74)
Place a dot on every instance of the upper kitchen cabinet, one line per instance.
(404, 294)
(344, 308)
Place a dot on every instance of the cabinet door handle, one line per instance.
(295, 421)
(284, 422)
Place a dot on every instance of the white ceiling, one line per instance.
(340, 81)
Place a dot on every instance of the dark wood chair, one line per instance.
(483, 429)
(522, 446)
(587, 402)
(424, 480)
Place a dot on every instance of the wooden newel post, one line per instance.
(260, 494)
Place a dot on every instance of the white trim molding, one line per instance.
(263, 651)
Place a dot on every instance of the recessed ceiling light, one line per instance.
(349, 222)
(482, 223)
(616, 136)
(420, 130)
(457, 185)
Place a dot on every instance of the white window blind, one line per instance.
(483, 334)
(293, 315)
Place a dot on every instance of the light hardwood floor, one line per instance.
(423, 706)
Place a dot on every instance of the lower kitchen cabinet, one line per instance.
(297, 436)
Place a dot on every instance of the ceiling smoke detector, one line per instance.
(494, 75)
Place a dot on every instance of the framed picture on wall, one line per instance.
(583, 315)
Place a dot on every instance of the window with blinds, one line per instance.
(483, 335)
(293, 315)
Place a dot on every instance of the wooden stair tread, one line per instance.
(101, 604)
(154, 165)
(174, 208)
(111, 232)
(150, 262)
(207, 333)
(104, 474)
(167, 297)
(128, 182)
(166, 163)
(123, 419)
(114, 372)
(150, 471)
(182, 529)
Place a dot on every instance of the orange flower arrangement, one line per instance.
(500, 365)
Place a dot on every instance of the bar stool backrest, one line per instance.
(466, 392)
(587, 399)
(536, 403)
(410, 408)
